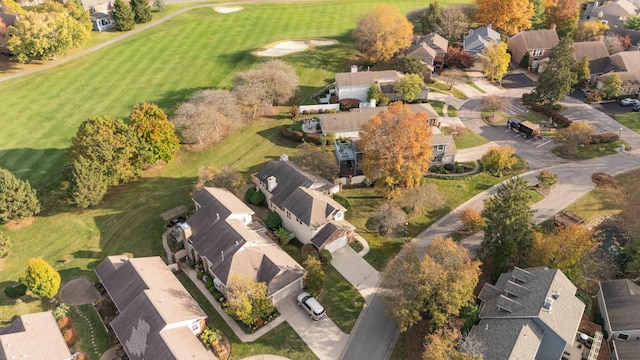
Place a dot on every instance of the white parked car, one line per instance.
(311, 306)
(629, 102)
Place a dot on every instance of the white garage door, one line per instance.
(293, 289)
(337, 244)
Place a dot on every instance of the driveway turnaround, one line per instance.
(323, 337)
(78, 292)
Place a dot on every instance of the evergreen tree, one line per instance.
(431, 17)
(141, 11)
(558, 76)
(42, 279)
(582, 71)
(508, 229)
(539, 16)
(612, 86)
(88, 185)
(17, 198)
(123, 16)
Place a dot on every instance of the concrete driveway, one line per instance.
(357, 271)
(323, 337)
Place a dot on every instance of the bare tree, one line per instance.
(223, 177)
(493, 103)
(422, 198)
(388, 219)
(613, 43)
(207, 118)
(472, 346)
(272, 83)
(318, 160)
(452, 24)
(453, 77)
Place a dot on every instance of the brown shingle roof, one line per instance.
(596, 52)
(540, 39)
(366, 77)
(33, 336)
(353, 120)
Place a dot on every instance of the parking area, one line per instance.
(516, 81)
(538, 141)
(611, 109)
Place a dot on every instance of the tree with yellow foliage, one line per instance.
(396, 147)
(495, 61)
(510, 16)
(382, 32)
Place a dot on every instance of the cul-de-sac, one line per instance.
(307, 179)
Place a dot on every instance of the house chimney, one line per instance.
(489, 26)
(284, 157)
(222, 255)
(354, 68)
(271, 183)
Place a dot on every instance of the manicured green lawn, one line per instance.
(630, 119)
(341, 300)
(467, 140)
(282, 340)
(473, 85)
(94, 339)
(534, 117)
(437, 106)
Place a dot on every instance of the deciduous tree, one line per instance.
(388, 220)
(318, 160)
(546, 179)
(141, 11)
(508, 229)
(499, 159)
(247, 299)
(453, 77)
(564, 249)
(612, 86)
(443, 344)
(42, 279)
(493, 103)
(564, 14)
(5, 244)
(471, 219)
(452, 24)
(412, 65)
(431, 17)
(510, 16)
(590, 30)
(614, 44)
(578, 133)
(11, 7)
(207, 118)
(558, 76)
(422, 198)
(111, 145)
(17, 198)
(396, 147)
(272, 83)
(583, 73)
(222, 177)
(495, 61)
(123, 16)
(409, 87)
(154, 131)
(88, 185)
(382, 32)
(457, 57)
(315, 275)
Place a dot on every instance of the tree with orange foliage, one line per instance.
(564, 249)
(397, 149)
(471, 218)
(382, 32)
(510, 16)
(444, 344)
(564, 14)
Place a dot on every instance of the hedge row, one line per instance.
(319, 111)
(604, 138)
(557, 118)
(295, 135)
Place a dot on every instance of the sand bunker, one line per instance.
(292, 46)
(227, 9)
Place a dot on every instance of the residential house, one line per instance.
(444, 149)
(612, 13)
(626, 65)
(100, 14)
(426, 54)
(356, 84)
(619, 303)
(433, 41)
(305, 204)
(223, 235)
(478, 39)
(529, 313)
(634, 37)
(537, 43)
(596, 52)
(33, 336)
(157, 318)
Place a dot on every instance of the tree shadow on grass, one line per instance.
(42, 167)
(171, 100)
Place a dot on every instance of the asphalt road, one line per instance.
(374, 335)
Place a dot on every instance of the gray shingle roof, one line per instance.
(519, 298)
(479, 38)
(447, 140)
(313, 209)
(435, 41)
(626, 61)
(424, 52)
(596, 52)
(151, 300)
(540, 39)
(627, 350)
(289, 177)
(622, 299)
(33, 336)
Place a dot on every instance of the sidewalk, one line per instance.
(230, 321)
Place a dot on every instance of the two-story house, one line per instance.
(597, 54)
(157, 317)
(537, 44)
(478, 39)
(619, 303)
(223, 235)
(626, 65)
(530, 313)
(356, 84)
(33, 336)
(431, 49)
(612, 13)
(305, 204)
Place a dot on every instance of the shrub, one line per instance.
(342, 201)
(65, 322)
(297, 135)
(62, 310)
(604, 138)
(209, 282)
(314, 139)
(273, 220)
(331, 138)
(315, 275)
(200, 275)
(595, 95)
(460, 169)
(70, 336)
(285, 131)
(325, 257)
(283, 235)
(449, 167)
(83, 356)
(15, 291)
(348, 104)
(254, 196)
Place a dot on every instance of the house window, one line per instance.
(537, 52)
(623, 336)
(440, 147)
